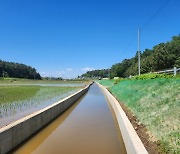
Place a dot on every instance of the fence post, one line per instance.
(175, 69)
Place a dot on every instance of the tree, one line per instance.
(17, 70)
(162, 56)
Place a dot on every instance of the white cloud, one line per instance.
(68, 73)
(69, 69)
(87, 69)
(53, 73)
(42, 73)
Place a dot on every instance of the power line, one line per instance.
(139, 56)
(155, 14)
(130, 42)
(147, 22)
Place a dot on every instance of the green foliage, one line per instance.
(177, 76)
(151, 76)
(162, 56)
(16, 70)
(119, 70)
(118, 80)
(104, 73)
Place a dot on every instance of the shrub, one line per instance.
(118, 80)
(152, 76)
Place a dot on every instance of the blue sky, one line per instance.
(68, 37)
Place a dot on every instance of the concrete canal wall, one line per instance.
(132, 141)
(17, 132)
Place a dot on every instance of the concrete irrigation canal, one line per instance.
(89, 126)
(86, 127)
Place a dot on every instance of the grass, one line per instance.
(106, 83)
(156, 103)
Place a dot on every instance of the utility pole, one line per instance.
(3, 74)
(139, 56)
(109, 73)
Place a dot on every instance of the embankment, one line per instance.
(154, 105)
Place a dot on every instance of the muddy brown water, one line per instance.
(88, 127)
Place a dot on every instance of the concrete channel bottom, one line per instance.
(88, 127)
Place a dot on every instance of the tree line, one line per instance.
(104, 73)
(16, 70)
(162, 56)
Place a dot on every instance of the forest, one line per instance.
(16, 70)
(97, 73)
(162, 56)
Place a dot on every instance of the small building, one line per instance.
(115, 78)
(105, 78)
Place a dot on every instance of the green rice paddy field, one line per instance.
(15, 93)
(156, 104)
(19, 96)
(30, 81)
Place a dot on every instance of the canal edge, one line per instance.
(131, 139)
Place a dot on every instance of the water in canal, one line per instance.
(88, 127)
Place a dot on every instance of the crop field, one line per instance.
(14, 99)
(22, 96)
(29, 81)
(156, 103)
(17, 93)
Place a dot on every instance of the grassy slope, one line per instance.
(106, 83)
(156, 103)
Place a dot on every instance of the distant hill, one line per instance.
(162, 56)
(97, 73)
(17, 70)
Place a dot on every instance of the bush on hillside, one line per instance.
(118, 80)
(152, 76)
